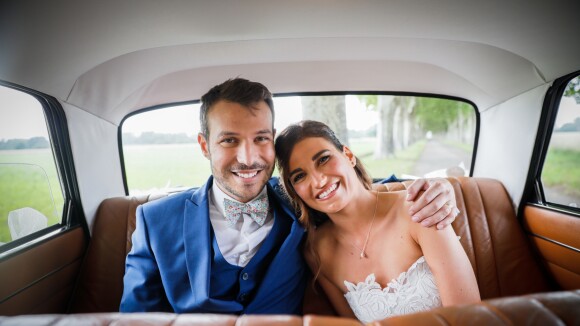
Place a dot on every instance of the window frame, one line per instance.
(534, 191)
(72, 212)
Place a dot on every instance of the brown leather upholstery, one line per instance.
(100, 284)
(554, 308)
(555, 236)
(490, 234)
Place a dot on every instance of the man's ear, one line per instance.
(203, 145)
(349, 155)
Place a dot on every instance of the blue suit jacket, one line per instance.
(169, 266)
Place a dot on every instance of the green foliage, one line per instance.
(436, 114)
(573, 89)
(561, 169)
(370, 101)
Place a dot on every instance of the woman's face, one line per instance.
(322, 175)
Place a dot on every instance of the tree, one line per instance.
(330, 110)
(573, 89)
(385, 146)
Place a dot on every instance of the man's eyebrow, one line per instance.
(264, 131)
(314, 158)
(227, 133)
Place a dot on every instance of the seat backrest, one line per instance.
(100, 284)
(490, 234)
(494, 240)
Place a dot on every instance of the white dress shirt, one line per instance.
(240, 243)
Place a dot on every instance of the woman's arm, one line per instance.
(449, 263)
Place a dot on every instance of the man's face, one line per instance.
(240, 148)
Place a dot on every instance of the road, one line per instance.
(437, 156)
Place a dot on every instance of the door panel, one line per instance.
(41, 279)
(556, 237)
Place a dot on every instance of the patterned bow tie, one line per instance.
(257, 209)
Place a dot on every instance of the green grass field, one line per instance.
(157, 167)
(562, 170)
(32, 182)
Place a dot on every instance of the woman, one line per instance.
(369, 257)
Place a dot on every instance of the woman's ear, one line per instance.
(349, 154)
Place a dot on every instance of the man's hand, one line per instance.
(436, 205)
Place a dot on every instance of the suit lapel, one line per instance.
(197, 242)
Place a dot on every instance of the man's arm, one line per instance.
(142, 287)
(436, 205)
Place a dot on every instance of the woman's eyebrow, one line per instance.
(314, 158)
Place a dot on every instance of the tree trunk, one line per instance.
(330, 110)
(385, 145)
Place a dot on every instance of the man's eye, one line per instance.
(262, 139)
(228, 141)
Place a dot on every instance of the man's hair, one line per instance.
(237, 90)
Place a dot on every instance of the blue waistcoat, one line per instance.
(175, 263)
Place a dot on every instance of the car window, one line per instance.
(561, 171)
(31, 197)
(408, 136)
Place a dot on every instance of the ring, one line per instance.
(456, 212)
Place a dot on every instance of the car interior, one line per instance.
(80, 75)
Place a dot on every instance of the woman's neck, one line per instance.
(353, 220)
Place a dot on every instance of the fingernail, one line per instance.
(408, 196)
(440, 226)
(415, 218)
(424, 223)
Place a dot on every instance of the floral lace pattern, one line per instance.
(414, 290)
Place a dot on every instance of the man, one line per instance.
(233, 245)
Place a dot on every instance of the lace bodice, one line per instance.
(414, 290)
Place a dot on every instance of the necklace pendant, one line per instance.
(362, 255)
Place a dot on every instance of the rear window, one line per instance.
(405, 136)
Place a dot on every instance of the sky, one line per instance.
(185, 119)
(26, 115)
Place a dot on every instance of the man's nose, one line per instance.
(247, 153)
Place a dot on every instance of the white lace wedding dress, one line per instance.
(414, 290)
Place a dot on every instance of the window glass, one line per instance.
(407, 136)
(561, 171)
(31, 196)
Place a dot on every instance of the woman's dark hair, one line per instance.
(237, 90)
(285, 143)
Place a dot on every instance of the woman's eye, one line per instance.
(324, 159)
(297, 178)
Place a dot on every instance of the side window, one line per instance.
(408, 136)
(31, 197)
(561, 171)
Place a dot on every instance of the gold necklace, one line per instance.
(362, 251)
